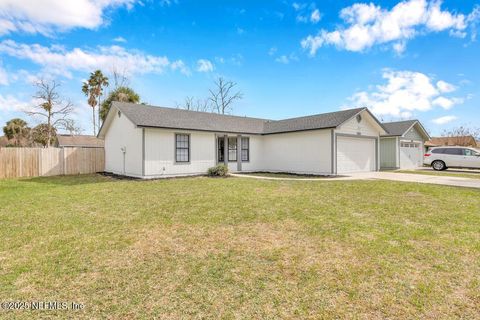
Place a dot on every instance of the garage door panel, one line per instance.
(411, 155)
(355, 155)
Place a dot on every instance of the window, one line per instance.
(454, 151)
(182, 148)
(232, 149)
(410, 145)
(470, 153)
(221, 149)
(245, 149)
(438, 151)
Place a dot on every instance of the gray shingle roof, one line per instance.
(318, 121)
(398, 128)
(150, 116)
(68, 140)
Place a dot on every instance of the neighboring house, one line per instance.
(403, 146)
(84, 141)
(151, 142)
(464, 141)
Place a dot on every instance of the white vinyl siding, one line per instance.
(160, 153)
(123, 135)
(413, 134)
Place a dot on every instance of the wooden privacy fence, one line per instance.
(35, 162)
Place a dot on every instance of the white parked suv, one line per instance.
(442, 158)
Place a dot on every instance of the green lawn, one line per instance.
(446, 173)
(240, 248)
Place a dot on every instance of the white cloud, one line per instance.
(204, 65)
(46, 16)
(240, 31)
(9, 103)
(315, 16)
(445, 86)
(367, 25)
(298, 6)
(399, 47)
(3, 76)
(307, 12)
(58, 60)
(447, 103)
(120, 39)
(282, 59)
(444, 120)
(403, 93)
(272, 51)
(180, 65)
(286, 59)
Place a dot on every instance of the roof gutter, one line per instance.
(236, 132)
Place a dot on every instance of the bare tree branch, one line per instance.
(222, 97)
(462, 136)
(193, 104)
(51, 107)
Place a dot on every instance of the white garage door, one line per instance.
(355, 155)
(411, 155)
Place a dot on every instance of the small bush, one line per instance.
(220, 170)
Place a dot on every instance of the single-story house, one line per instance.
(151, 142)
(464, 141)
(402, 147)
(79, 141)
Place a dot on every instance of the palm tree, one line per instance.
(122, 94)
(16, 130)
(93, 89)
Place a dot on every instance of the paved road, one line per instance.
(393, 176)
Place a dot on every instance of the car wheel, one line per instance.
(438, 165)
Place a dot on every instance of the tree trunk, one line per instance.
(94, 122)
(49, 131)
(99, 107)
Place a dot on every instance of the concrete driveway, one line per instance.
(451, 170)
(420, 178)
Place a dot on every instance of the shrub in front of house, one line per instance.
(220, 170)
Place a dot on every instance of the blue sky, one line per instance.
(409, 59)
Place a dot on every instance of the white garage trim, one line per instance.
(374, 138)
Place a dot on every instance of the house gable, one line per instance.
(413, 134)
(365, 125)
